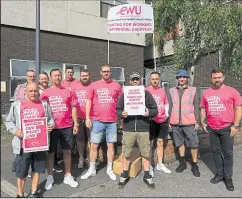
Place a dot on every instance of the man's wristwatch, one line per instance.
(76, 124)
(236, 126)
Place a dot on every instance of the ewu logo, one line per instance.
(130, 10)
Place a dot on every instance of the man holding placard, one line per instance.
(25, 121)
(136, 106)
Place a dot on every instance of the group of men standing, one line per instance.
(90, 111)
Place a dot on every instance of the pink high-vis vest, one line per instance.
(187, 107)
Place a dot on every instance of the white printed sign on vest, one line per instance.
(131, 18)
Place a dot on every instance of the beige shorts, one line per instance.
(129, 139)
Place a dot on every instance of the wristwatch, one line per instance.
(236, 126)
(76, 124)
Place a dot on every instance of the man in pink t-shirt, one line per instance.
(83, 136)
(221, 106)
(158, 124)
(102, 97)
(62, 102)
(70, 81)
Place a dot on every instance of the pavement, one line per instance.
(167, 185)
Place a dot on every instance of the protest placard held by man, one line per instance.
(30, 108)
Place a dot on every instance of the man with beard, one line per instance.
(19, 93)
(159, 123)
(70, 81)
(102, 97)
(184, 119)
(43, 82)
(63, 106)
(30, 108)
(221, 106)
(83, 136)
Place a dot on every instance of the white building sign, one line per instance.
(131, 18)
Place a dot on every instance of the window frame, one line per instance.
(119, 81)
(11, 76)
(64, 67)
(111, 3)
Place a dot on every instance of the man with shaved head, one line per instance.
(30, 108)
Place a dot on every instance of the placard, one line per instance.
(36, 136)
(134, 100)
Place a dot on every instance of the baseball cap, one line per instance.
(135, 74)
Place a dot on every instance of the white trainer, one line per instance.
(151, 171)
(70, 181)
(162, 167)
(111, 175)
(49, 182)
(90, 172)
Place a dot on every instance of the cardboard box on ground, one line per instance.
(135, 162)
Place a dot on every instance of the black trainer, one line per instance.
(123, 181)
(229, 184)
(18, 196)
(182, 166)
(149, 182)
(216, 179)
(58, 166)
(195, 170)
(34, 195)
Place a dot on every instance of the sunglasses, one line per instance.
(135, 79)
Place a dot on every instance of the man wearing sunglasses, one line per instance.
(102, 98)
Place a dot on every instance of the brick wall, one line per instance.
(203, 71)
(19, 43)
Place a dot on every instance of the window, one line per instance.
(76, 68)
(118, 74)
(105, 5)
(18, 69)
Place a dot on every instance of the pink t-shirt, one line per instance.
(104, 97)
(61, 101)
(160, 97)
(219, 105)
(31, 110)
(69, 84)
(81, 95)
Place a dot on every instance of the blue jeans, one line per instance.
(101, 128)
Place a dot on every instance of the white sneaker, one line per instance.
(90, 172)
(162, 167)
(70, 181)
(49, 182)
(111, 175)
(151, 171)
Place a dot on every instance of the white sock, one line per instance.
(110, 166)
(160, 163)
(93, 165)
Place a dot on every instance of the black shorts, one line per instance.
(22, 162)
(84, 132)
(158, 130)
(64, 135)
